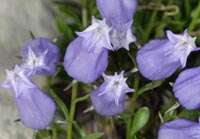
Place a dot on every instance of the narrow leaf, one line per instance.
(31, 35)
(150, 86)
(96, 135)
(60, 103)
(140, 119)
(64, 28)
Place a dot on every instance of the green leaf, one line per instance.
(83, 98)
(79, 128)
(64, 28)
(60, 103)
(71, 12)
(150, 86)
(124, 115)
(140, 119)
(189, 114)
(32, 35)
(96, 135)
(195, 17)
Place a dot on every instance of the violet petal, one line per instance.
(159, 59)
(83, 65)
(41, 56)
(36, 109)
(187, 89)
(179, 129)
(108, 99)
(120, 12)
(154, 62)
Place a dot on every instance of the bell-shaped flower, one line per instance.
(122, 37)
(117, 12)
(119, 16)
(86, 57)
(187, 90)
(160, 58)
(83, 65)
(108, 99)
(96, 36)
(40, 56)
(179, 129)
(36, 109)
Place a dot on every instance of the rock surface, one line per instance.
(17, 18)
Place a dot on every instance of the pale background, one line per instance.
(17, 17)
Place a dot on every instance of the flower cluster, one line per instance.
(86, 57)
(36, 108)
(164, 57)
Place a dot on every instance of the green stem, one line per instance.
(132, 59)
(80, 99)
(150, 26)
(54, 130)
(72, 111)
(133, 104)
(84, 14)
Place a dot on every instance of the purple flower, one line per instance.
(36, 109)
(119, 16)
(96, 36)
(186, 88)
(160, 58)
(179, 129)
(40, 56)
(117, 12)
(108, 98)
(86, 57)
(82, 65)
(122, 37)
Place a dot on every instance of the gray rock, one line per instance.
(17, 18)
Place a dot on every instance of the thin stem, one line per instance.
(150, 26)
(135, 95)
(84, 14)
(72, 111)
(80, 99)
(54, 130)
(60, 103)
(39, 135)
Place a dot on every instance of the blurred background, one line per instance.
(18, 17)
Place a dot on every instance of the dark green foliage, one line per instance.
(151, 20)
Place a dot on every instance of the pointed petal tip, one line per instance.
(169, 34)
(4, 85)
(104, 75)
(186, 31)
(132, 90)
(197, 49)
(122, 73)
